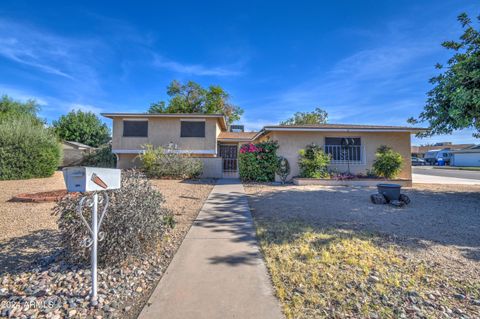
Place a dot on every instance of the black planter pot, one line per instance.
(390, 191)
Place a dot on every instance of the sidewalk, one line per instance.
(432, 179)
(218, 271)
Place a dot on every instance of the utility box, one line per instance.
(90, 179)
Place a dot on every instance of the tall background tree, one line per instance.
(454, 102)
(82, 127)
(191, 97)
(11, 109)
(318, 116)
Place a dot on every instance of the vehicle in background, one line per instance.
(432, 157)
(418, 161)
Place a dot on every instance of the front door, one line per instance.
(229, 155)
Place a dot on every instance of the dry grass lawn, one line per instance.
(333, 254)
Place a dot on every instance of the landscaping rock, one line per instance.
(378, 199)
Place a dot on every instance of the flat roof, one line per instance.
(236, 136)
(221, 117)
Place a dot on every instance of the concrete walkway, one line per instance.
(218, 271)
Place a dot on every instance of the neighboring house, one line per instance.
(466, 157)
(74, 153)
(208, 138)
(420, 151)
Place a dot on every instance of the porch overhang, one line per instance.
(192, 152)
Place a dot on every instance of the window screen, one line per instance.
(192, 129)
(135, 128)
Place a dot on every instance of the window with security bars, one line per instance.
(344, 150)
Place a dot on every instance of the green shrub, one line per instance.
(166, 163)
(27, 149)
(388, 163)
(101, 157)
(313, 162)
(258, 162)
(134, 224)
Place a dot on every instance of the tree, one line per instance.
(193, 98)
(11, 109)
(82, 127)
(318, 116)
(454, 102)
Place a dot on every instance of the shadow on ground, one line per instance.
(20, 254)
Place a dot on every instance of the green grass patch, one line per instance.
(331, 273)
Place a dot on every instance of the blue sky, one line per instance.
(365, 62)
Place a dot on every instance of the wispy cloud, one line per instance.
(193, 69)
(44, 51)
(22, 52)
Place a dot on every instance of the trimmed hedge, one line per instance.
(27, 149)
(258, 162)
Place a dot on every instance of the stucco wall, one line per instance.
(212, 167)
(162, 131)
(291, 142)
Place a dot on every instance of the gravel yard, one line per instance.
(30, 273)
(437, 233)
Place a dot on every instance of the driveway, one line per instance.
(430, 175)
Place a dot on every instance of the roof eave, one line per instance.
(223, 121)
(322, 129)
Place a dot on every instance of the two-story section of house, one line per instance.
(204, 136)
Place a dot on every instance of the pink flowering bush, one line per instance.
(258, 162)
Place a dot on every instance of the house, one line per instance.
(74, 153)
(208, 137)
(358, 158)
(420, 151)
(466, 157)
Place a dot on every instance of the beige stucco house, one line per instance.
(209, 138)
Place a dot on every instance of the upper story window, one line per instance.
(344, 149)
(192, 129)
(135, 128)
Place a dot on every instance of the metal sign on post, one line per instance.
(92, 179)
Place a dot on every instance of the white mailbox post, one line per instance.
(92, 179)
